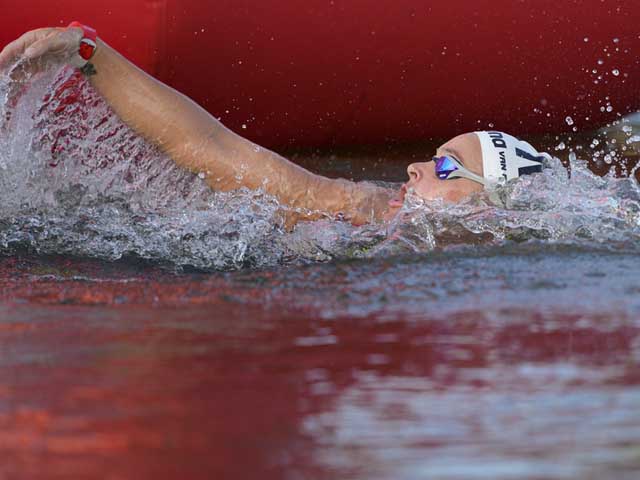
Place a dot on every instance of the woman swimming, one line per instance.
(197, 141)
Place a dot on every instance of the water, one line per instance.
(77, 181)
(151, 327)
(512, 362)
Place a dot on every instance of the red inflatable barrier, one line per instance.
(326, 72)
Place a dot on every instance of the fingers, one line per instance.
(11, 52)
(41, 47)
(57, 45)
(14, 50)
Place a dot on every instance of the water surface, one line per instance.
(517, 363)
(152, 328)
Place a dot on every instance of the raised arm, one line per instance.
(196, 140)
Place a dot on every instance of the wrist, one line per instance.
(87, 47)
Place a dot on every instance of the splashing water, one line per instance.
(75, 180)
(551, 206)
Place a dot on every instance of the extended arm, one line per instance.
(197, 141)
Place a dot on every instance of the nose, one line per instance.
(415, 172)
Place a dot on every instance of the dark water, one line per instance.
(521, 362)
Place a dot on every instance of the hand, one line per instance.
(28, 55)
(55, 44)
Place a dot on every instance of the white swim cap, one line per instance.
(505, 157)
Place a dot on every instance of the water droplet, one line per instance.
(616, 40)
(569, 120)
(600, 62)
(201, 175)
(615, 72)
(586, 39)
(244, 126)
(561, 146)
(609, 108)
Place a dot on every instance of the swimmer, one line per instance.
(197, 141)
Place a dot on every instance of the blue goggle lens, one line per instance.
(445, 166)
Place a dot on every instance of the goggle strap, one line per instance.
(464, 173)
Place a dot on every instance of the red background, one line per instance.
(323, 72)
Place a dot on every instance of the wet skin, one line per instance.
(424, 182)
(198, 142)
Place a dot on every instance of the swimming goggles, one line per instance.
(448, 167)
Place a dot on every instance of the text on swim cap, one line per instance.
(497, 139)
(499, 142)
(534, 158)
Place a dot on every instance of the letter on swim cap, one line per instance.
(505, 157)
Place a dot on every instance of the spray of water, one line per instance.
(75, 180)
(581, 208)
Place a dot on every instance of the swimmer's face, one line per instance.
(426, 184)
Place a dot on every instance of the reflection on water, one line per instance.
(521, 427)
(523, 364)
